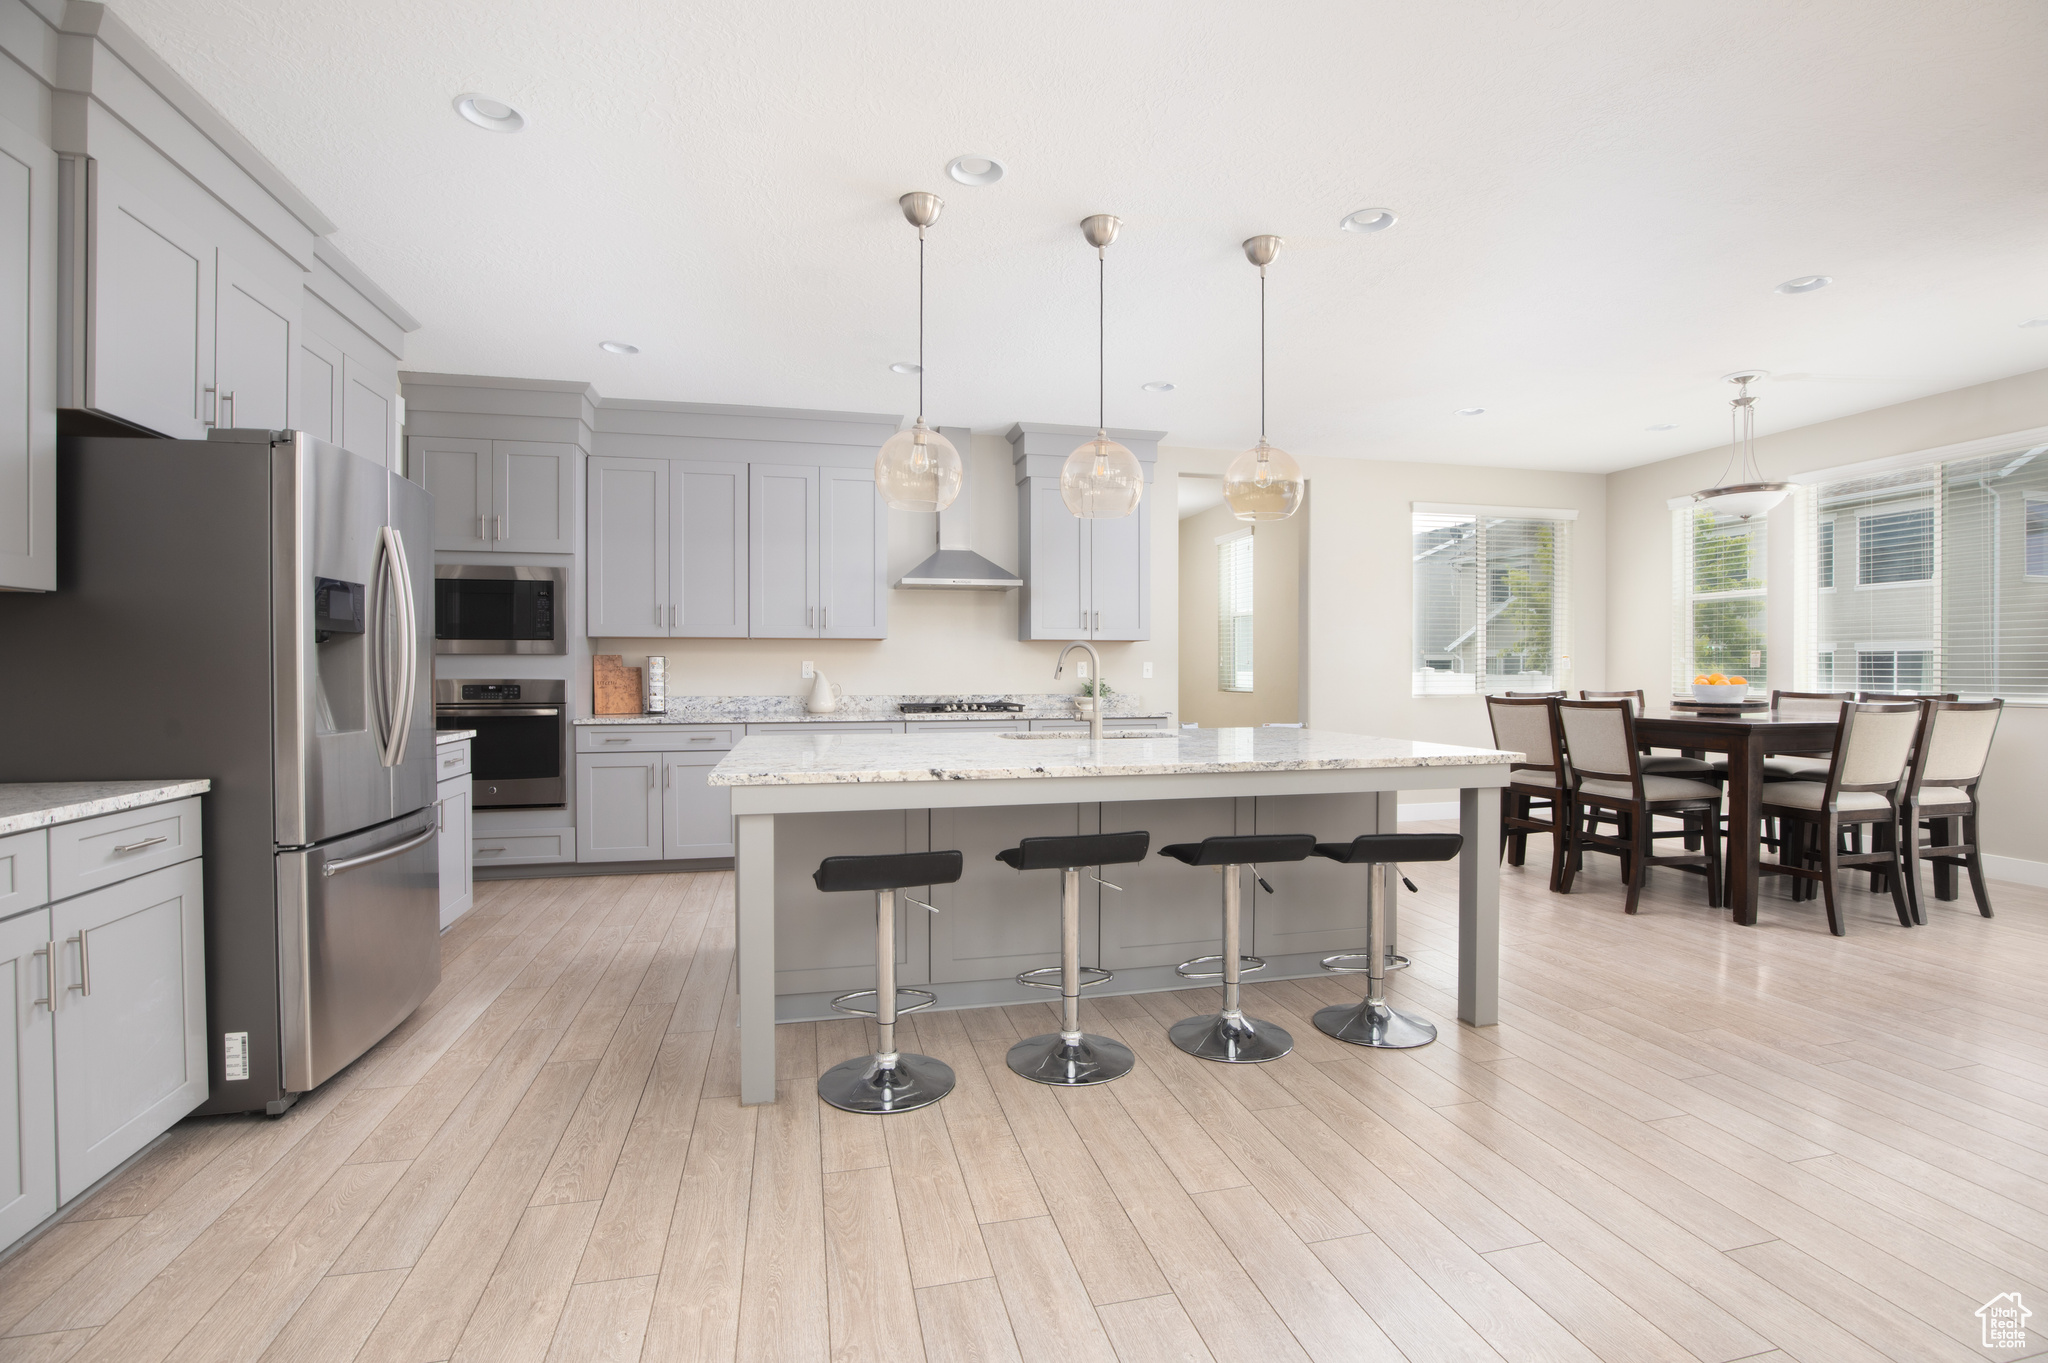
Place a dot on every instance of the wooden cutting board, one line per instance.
(615, 688)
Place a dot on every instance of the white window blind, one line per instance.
(1718, 598)
(1491, 603)
(1950, 591)
(1234, 612)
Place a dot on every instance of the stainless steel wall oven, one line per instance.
(520, 757)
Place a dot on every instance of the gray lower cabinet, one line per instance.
(28, 341)
(644, 795)
(508, 496)
(667, 548)
(618, 806)
(696, 816)
(28, 1092)
(453, 820)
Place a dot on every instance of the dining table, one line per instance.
(1804, 728)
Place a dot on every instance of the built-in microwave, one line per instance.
(489, 608)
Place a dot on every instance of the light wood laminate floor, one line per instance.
(1686, 1141)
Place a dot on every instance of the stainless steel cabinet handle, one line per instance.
(664, 776)
(212, 407)
(671, 617)
(657, 612)
(497, 527)
(84, 985)
(48, 951)
(228, 400)
(618, 740)
(650, 776)
(480, 526)
(335, 868)
(440, 813)
(825, 617)
(702, 738)
(810, 617)
(482, 850)
(146, 842)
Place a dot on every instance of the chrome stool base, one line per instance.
(1231, 1038)
(864, 1084)
(1053, 1059)
(1374, 1024)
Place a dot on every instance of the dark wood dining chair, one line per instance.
(1656, 763)
(1949, 755)
(1534, 695)
(1865, 783)
(1528, 725)
(1604, 768)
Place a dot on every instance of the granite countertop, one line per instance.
(452, 735)
(38, 804)
(957, 755)
(867, 709)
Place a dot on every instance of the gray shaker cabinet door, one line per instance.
(317, 410)
(367, 423)
(1169, 912)
(255, 350)
(536, 497)
(28, 1096)
(697, 821)
(993, 921)
(1120, 576)
(618, 807)
(708, 550)
(28, 347)
(853, 556)
(150, 292)
(827, 941)
(626, 559)
(130, 1018)
(782, 551)
(459, 474)
(1053, 543)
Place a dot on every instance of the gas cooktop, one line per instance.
(960, 707)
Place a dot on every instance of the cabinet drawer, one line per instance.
(451, 759)
(24, 871)
(657, 737)
(114, 847)
(506, 849)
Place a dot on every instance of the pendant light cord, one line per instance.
(1101, 338)
(1262, 354)
(920, 326)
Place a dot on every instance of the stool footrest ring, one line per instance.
(1049, 977)
(929, 1000)
(1393, 962)
(1244, 963)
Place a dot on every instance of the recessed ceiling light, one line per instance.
(2035, 322)
(1806, 283)
(1367, 220)
(489, 114)
(975, 170)
(1471, 411)
(618, 348)
(905, 367)
(1663, 426)
(1159, 386)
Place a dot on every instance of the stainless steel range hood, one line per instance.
(955, 567)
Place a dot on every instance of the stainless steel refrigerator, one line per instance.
(254, 608)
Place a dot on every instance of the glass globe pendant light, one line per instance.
(1753, 497)
(1101, 479)
(918, 469)
(1264, 483)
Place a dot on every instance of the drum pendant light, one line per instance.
(1264, 483)
(918, 469)
(1754, 497)
(1101, 479)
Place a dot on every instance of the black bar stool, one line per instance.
(886, 1081)
(1370, 1022)
(1071, 1056)
(1229, 1035)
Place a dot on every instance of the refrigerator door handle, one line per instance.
(409, 653)
(335, 868)
(380, 644)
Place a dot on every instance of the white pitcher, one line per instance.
(824, 697)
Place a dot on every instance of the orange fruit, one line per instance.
(1717, 680)
(1738, 681)
(1700, 680)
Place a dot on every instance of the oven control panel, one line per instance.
(490, 690)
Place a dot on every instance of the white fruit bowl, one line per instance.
(1721, 694)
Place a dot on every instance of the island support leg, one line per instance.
(754, 903)
(1479, 907)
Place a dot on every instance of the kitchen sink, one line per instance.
(1107, 733)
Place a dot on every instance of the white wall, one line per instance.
(1639, 581)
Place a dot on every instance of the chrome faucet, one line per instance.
(1095, 715)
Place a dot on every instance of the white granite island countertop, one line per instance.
(860, 709)
(38, 804)
(955, 755)
(452, 735)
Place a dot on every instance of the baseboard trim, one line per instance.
(1430, 813)
(2017, 870)
(548, 870)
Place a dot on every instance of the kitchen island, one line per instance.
(852, 793)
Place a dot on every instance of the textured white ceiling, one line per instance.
(1595, 197)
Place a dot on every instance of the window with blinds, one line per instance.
(1951, 584)
(1719, 604)
(1490, 603)
(1234, 612)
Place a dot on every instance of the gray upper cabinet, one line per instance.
(853, 556)
(255, 349)
(512, 496)
(1083, 579)
(667, 548)
(782, 551)
(145, 354)
(318, 411)
(366, 422)
(28, 343)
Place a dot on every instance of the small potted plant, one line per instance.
(1093, 693)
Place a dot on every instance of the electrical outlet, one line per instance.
(1081, 670)
(810, 669)
(1148, 670)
